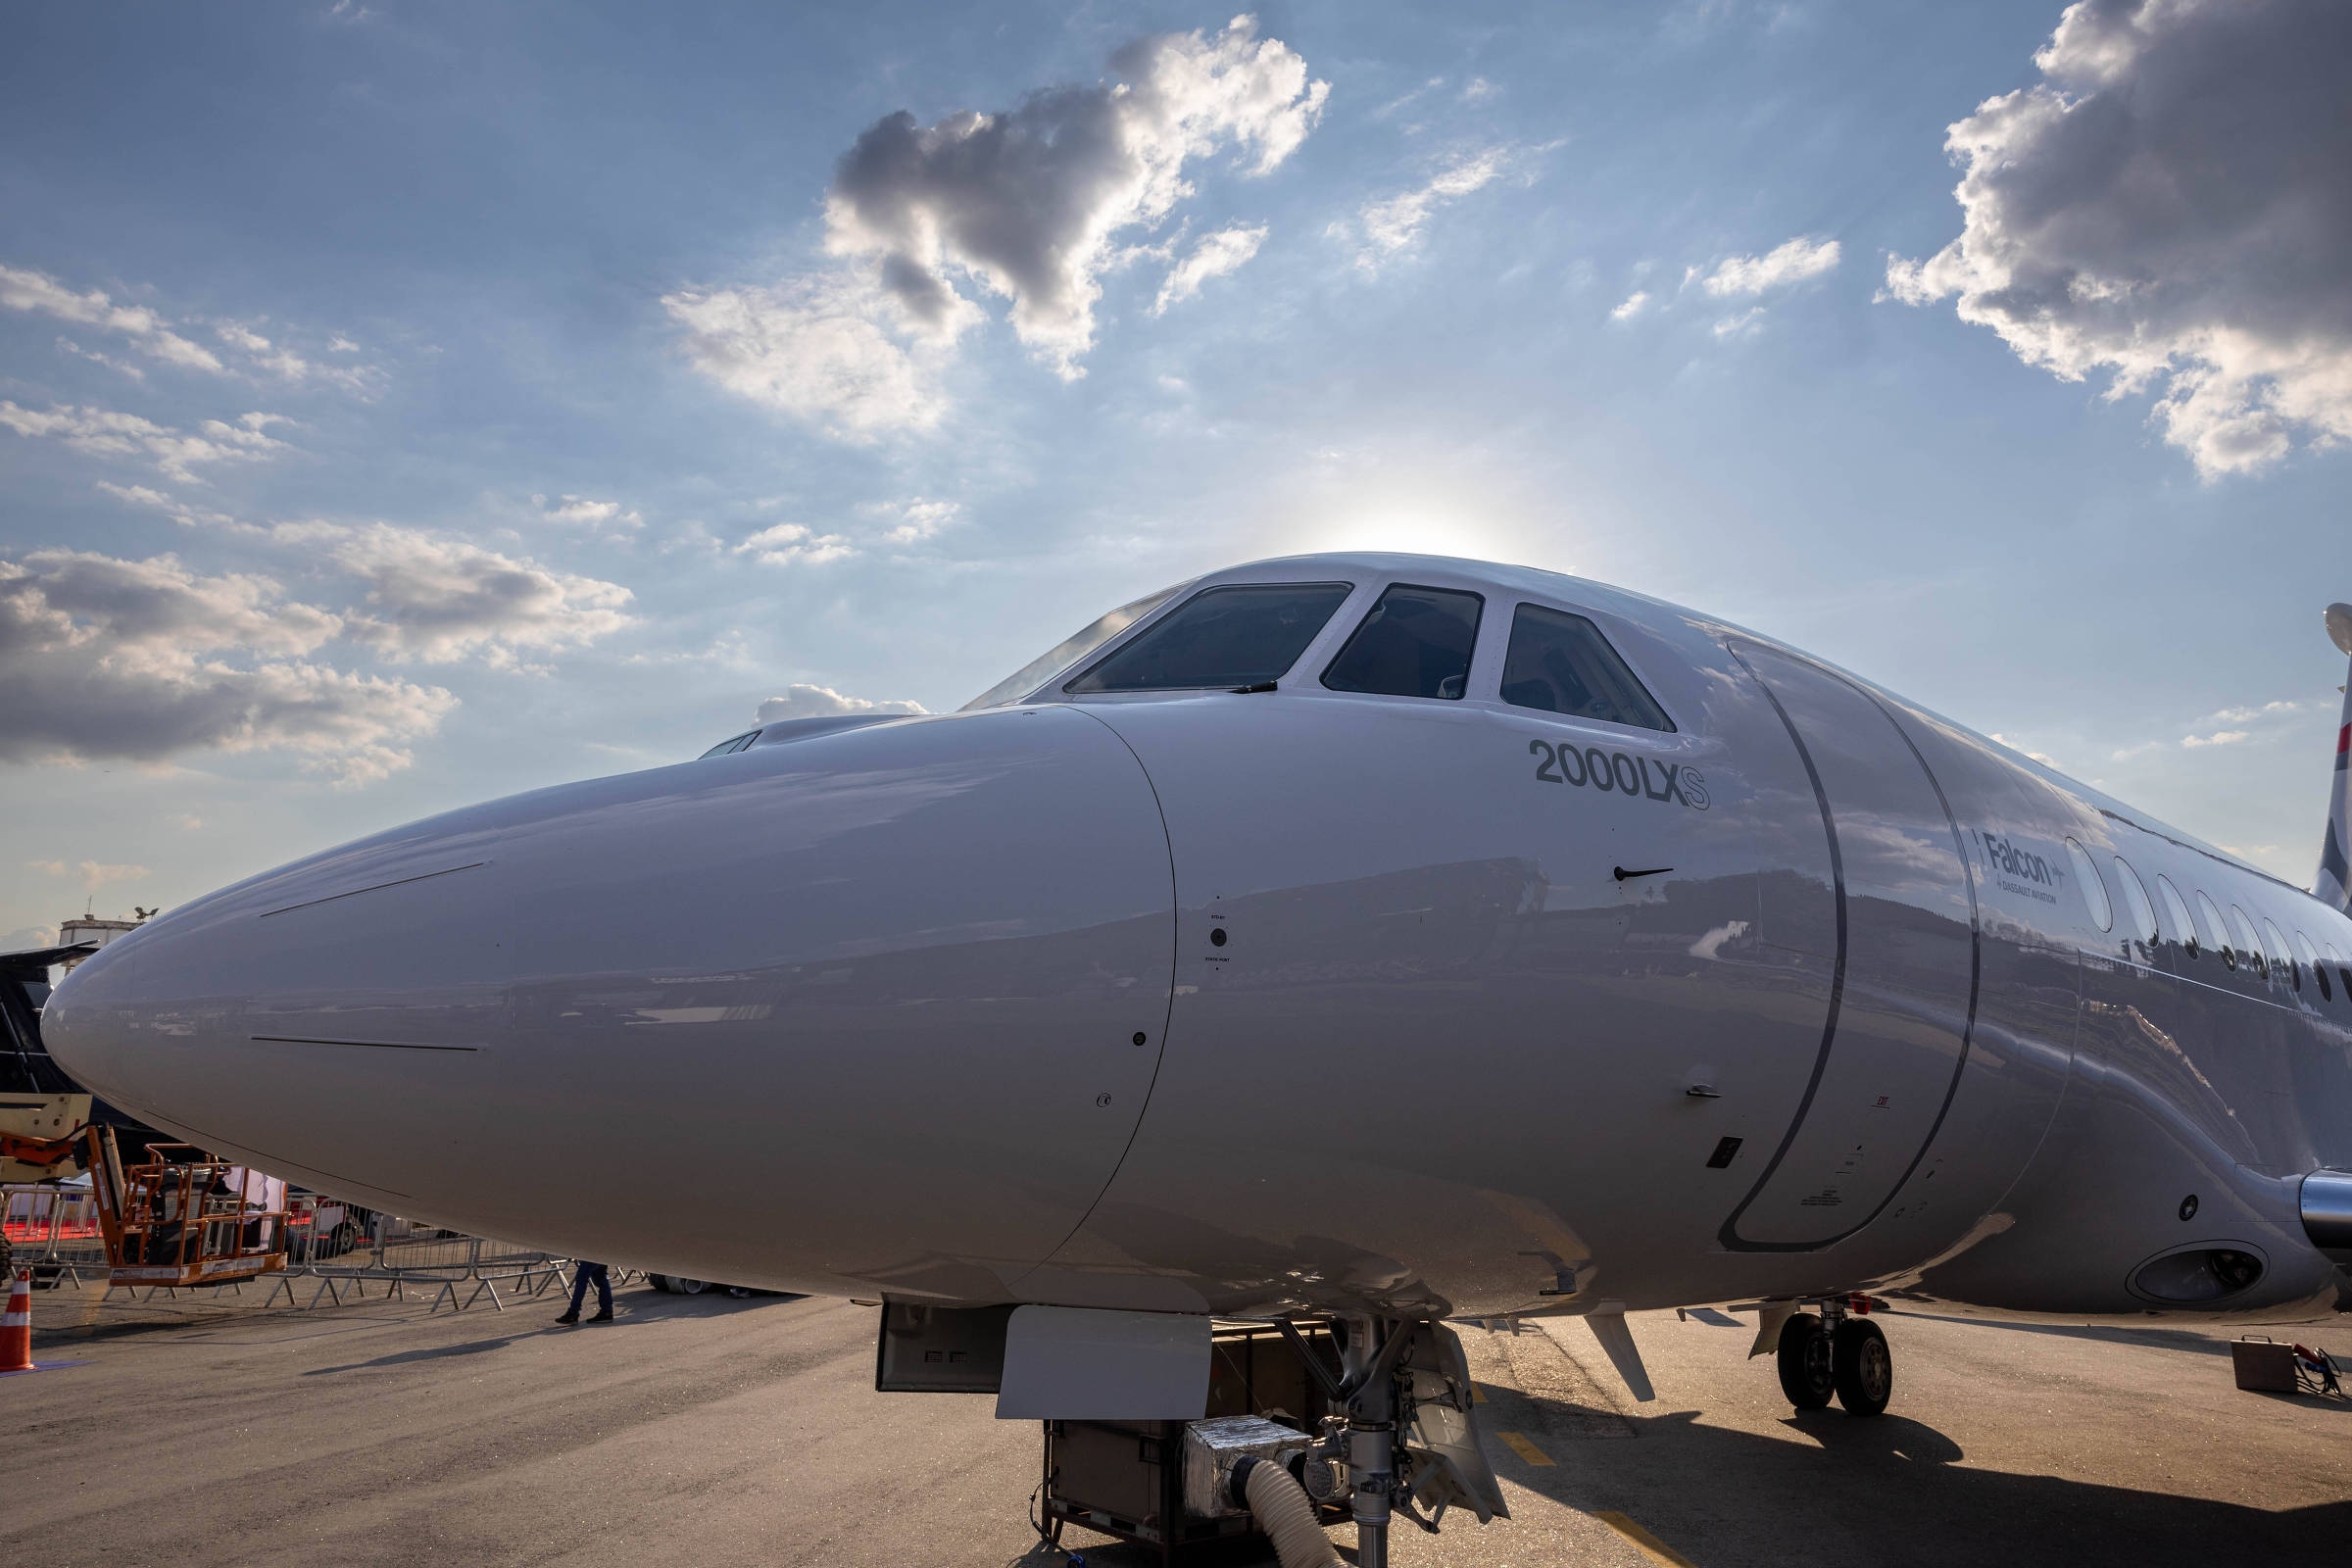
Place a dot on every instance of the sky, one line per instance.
(403, 404)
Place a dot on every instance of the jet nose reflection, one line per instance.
(244, 1020)
(913, 979)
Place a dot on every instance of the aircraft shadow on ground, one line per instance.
(2108, 1334)
(634, 1307)
(1891, 1488)
(1896, 1487)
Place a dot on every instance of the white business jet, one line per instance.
(1376, 939)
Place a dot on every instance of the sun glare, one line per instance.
(1415, 530)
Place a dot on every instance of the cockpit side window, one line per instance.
(1242, 634)
(1415, 643)
(735, 744)
(1561, 664)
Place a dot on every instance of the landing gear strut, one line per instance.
(1834, 1354)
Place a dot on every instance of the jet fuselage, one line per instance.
(1260, 1001)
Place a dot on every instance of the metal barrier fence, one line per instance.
(332, 1254)
(53, 1228)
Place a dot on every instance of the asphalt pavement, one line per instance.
(706, 1430)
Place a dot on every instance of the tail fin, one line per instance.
(2334, 884)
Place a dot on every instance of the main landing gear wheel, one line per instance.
(1862, 1366)
(1807, 1375)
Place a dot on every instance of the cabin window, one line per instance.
(2311, 961)
(736, 744)
(2343, 970)
(2283, 958)
(2135, 899)
(2209, 922)
(1415, 643)
(2183, 931)
(1560, 663)
(2249, 945)
(2094, 890)
(1244, 634)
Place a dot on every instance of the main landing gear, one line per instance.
(1834, 1354)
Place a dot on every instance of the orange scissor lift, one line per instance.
(176, 1218)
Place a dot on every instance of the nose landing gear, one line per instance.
(1837, 1356)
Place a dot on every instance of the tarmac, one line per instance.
(709, 1430)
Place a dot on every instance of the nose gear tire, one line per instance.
(1807, 1374)
(1862, 1367)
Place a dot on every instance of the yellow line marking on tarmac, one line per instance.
(1644, 1542)
(1524, 1450)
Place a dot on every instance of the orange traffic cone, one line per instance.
(16, 1325)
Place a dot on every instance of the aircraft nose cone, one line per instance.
(876, 1008)
(238, 1019)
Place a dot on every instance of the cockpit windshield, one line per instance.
(1062, 654)
(1242, 634)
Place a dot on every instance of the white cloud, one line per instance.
(1227, 250)
(1025, 205)
(125, 367)
(910, 522)
(598, 516)
(262, 354)
(1632, 307)
(103, 657)
(2219, 737)
(790, 544)
(2240, 715)
(1384, 228)
(152, 335)
(73, 597)
(691, 535)
(105, 434)
(440, 599)
(1791, 262)
(23, 290)
(823, 702)
(2169, 204)
(140, 495)
(1731, 325)
(835, 351)
(730, 650)
(1406, 99)
(1479, 91)
(93, 874)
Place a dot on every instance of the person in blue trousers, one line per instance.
(582, 1273)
